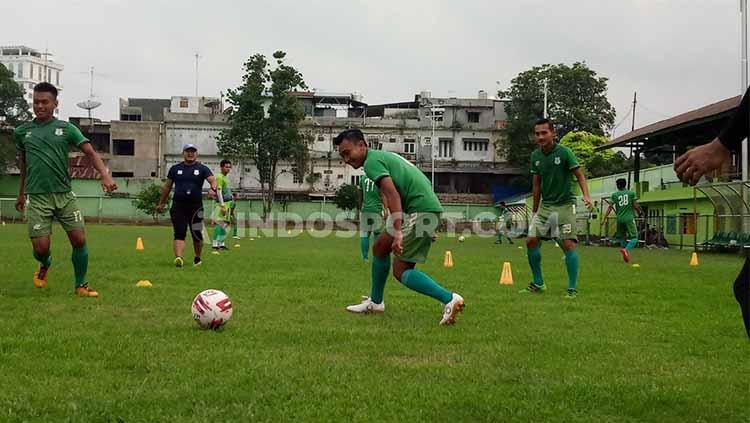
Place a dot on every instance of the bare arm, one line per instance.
(165, 190)
(393, 200)
(360, 199)
(21, 200)
(637, 208)
(609, 210)
(108, 184)
(584, 186)
(536, 192)
(214, 187)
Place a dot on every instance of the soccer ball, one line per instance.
(212, 309)
(461, 238)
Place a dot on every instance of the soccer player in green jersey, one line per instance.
(504, 224)
(222, 213)
(414, 215)
(624, 203)
(370, 215)
(553, 167)
(45, 191)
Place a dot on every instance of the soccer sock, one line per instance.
(571, 262)
(381, 266)
(500, 237)
(631, 244)
(45, 260)
(80, 259)
(623, 244)
(234, 230)
(420, 282)
(535, 262)
(364, 245)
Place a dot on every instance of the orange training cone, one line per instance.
(694, 259)
(139, 244)
(506, 278)
(448, 261)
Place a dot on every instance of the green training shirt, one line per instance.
(222, 185)
(45, 147)
(623, 204)
(556, 169)
(412, 185)
(371, 202)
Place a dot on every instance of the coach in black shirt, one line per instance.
(187, 203)
(707, 158)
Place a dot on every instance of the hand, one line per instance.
(160, 208)
(211, 193)
(700, 161)
(587, 200)
(398, 243)
(223, 208)
(21, 202)
(108, 184)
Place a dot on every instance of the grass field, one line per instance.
(662, 342)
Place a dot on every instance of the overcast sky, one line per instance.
(678, 54)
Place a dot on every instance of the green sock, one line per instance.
(381, 266)
(623, 243)
(535, 262)
(80, 258)
(500, 237)
(571, 262)
(631, 244)
(220, 234)
(364, 245)
(420, 282)
(45, 260)
(234, 230)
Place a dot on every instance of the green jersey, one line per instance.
(371, 202)
(556, 169)
(45, 148)
(222, 185)
(412, 185)
(623, 204)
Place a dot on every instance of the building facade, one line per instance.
(30, 67)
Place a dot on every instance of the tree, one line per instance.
(577, 101)
(598, 163)
(13, 107)
(147, 200)
(347, 197)
(7, 149)
(267, 139)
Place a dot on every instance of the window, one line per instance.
(57, 78)
(473, 117)
(321, 138)
(340, 176)
(427, 140)
(123, 147)
(31, 70)
(122, 174)
(355, 179)
(183, 103)
(392, 140)
(375, 144)
(476, 144)
(409, 147)
(130, 117)
(446, 147)
(39, 73)
(688, 223)
(19, 74)
(671, 224)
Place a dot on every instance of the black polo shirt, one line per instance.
(188, 182)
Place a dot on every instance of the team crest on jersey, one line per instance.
(28, 135)
(196, 172)
(179, 172)
(59, 132)
(537, 163)
(557, 160)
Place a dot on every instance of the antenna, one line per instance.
(90, 104)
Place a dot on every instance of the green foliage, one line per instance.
(13, 107)
(266, 139)
(347, 197)
(598, 163)
(7, 151)
(577, 101)
(147, 200)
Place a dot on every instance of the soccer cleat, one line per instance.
(498, 242)
(625, 255)
(85, 291)
(179, 262)
(366, 307)
(571, 294)
(223, 247)
(533, 289)
(197, 261)
(40, 277)
(451, 310)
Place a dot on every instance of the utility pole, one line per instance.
(546, 114)
(197, 56)
(743, 79)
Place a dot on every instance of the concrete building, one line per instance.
(30, 67)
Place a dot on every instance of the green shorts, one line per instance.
(418, 230)
(42, 208)
(370, 222)
(554, 222)
(626, 230)
(221, 216)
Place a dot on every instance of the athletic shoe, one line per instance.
(40, 277)
(451, 310)
(366, 307)
(85, 291)
(197, 261)
(179, 262)
(236, 237)
(224, 247)
(498, 242)
(625, 255)
(533, 289)
(571, 294)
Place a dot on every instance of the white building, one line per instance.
(30, 67)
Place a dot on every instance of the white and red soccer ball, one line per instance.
(212, 309)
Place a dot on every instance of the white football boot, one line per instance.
(451, 310)
(366, 307)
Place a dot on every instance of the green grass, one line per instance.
(662, 342)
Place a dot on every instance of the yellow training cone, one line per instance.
(506, 278)
(143, 284)
(636, 265)
(694, 259)
(236, 245)
(139, 244)
(448, 261)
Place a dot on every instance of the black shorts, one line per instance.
(186, 215)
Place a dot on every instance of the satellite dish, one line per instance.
(89, 105)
